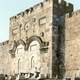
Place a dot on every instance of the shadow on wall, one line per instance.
(58, 62)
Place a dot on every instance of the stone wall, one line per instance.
(4, 58)
(34, 24)
(33, 21)
(72, 45)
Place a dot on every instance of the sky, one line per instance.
(10, 8)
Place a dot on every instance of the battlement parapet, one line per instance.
(4, 43)
(67, 7)
(73, 14)
(32, 9)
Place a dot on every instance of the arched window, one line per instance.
(19, 57)
(34, 46)
(19, 51)
(34, 51)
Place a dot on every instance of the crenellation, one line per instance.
(41, 6)
(12, 18)
(38, 6)
(66, 7)
(20, 14)
(74, 14)
(26, 11)
(67, 16)
(31, 9)
(5, 43)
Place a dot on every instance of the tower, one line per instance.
(60, 9)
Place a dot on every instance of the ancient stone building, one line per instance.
(44, 38)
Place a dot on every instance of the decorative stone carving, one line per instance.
(13, 49)
(42, 34)
(43, 45)
(14, 46)
(26, 26)
(42, 21)
(20, 42)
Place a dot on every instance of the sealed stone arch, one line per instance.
(18, 54)
(20, 58)
(43, 45)
(15, 44)
(35, 47)
(21, 42)
(34, 38)
(35, 56)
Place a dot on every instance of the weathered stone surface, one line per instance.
(72, 46)
(43, 39)
(30, 41)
